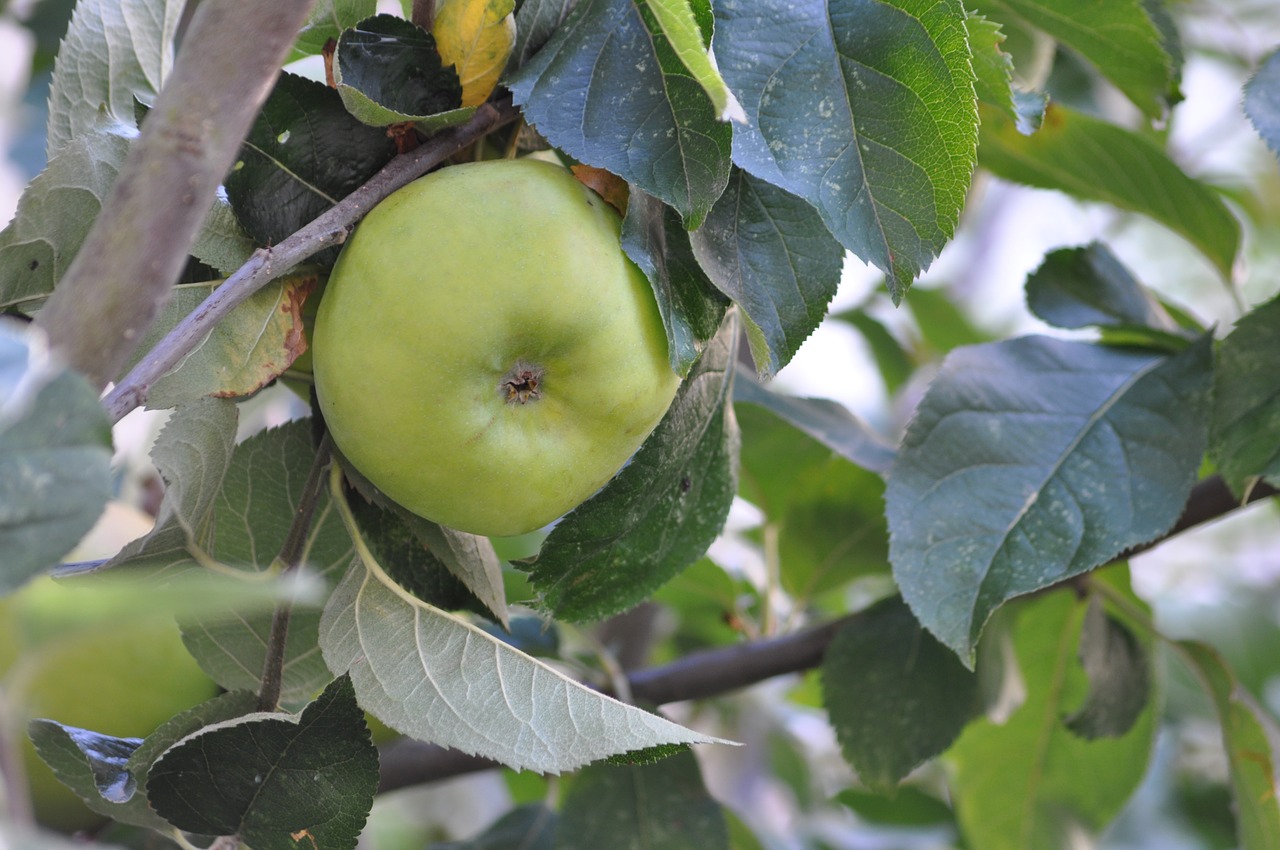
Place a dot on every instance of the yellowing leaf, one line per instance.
(476, 37)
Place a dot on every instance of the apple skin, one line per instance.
(454, 298)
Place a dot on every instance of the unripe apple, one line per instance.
(485, 353)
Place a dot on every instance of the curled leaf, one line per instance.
(476, 37)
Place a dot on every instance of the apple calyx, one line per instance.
(522, 383)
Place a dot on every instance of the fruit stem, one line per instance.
(286, 563)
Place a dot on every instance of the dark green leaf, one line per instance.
(407, 560)
(1116, 36)
(662, 805)
(60, 747)
(908, 807)
(1248, 735)
(389, 70)
(1246, 400)
(304, 153)
(692, 309)
(1029, 782)
(1119, 677)
(609, 90)
(825, 421)
(865, 110)
(1088, 287)
(662, 510)
(55, 456)
(274, 780)
(536, 22)
(1098, 161)
(768, 251)
(531, 827)
(896, 696)
(1033, 460)
(1262, 101)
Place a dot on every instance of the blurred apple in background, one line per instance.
(96, 669)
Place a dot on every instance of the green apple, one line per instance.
(118, 678)
(485, 353)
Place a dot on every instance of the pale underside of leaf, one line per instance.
(435, 677)
(115, 52)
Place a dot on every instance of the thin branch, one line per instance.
(123, 273)
(328, 229)
(716, 672)
(289, 560)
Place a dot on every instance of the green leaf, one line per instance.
(222, 243)
(407, 559)
(909, 806)
(1262, 101)
(248, 525)
(250, 347)
(1246, 400)
(304, 153)
(1089, 287)
(54, 215)
(662, 510)
(530, 827)
(942, 323)
(1033, 460)
(692, 310)
(115, 52)
(896, 696)
(328, 20)
(1117, 37)
(55, 456)
(435, 677)
(62, 748)
(865, 110)
(274, 780)
(609, 90)
(1119, 677)
(768, 251)
(388, 70)
(676, 20)
(471, 559)
(826, 421)
(192, 455)
(1031, 783)
(1249, 736)
(994, 70)
(826, 513)
(1097, 161)
(662, 805)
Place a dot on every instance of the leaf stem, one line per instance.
(288, 561)
(266, 264)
